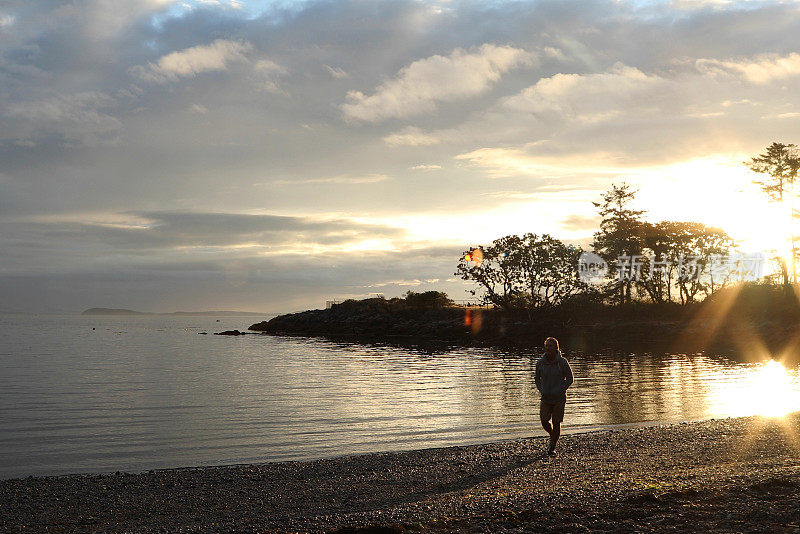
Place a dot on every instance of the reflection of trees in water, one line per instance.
(648, 387)
(620, 388)
(610, 388)
(487, 389)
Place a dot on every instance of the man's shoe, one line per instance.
(551, 452)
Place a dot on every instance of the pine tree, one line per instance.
(621, 235)
(781, 162)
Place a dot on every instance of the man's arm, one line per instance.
(568, 378)
(537, 378)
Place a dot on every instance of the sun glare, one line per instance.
(768, 389)
(716, 191)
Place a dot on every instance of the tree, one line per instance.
(493, 269)
(660, 241)
(427, 299)
(548, 269)
(781, 162)
(621, 236)
(682, 258)
(523, 272)
(710, 245)
(701, 245)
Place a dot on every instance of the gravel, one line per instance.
(729, 475)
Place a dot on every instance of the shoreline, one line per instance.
(712, 474)
(565, 431)
(724, 323)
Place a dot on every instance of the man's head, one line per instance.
(551, 345)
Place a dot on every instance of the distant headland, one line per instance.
(122, 311)
(112, 311)
(746, 322)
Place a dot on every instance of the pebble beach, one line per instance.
(727, 475)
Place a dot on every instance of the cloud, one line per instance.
(341, 179)
(159, 260)
(192, 61)
(699, 4)
(580, 223)
(336, 72)
(577, 124)
(426, 167)
(158, 235)
(413, 136)
(511, 195)
(761, 69)
(550, 100)
(233, 4)
(589, 97)
(787, 115)
(102, 20)
(420, 86)
(414, 282)
(267, 66)
(271, 283)
(268, 72)
(505, 162)
(79, 118)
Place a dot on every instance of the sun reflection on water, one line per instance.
(767, 389)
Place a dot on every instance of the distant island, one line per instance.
(112, 311)
(122, 311)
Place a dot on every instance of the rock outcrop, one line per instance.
(230, 333)
(383, 320)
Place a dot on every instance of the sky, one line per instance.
(168, 155)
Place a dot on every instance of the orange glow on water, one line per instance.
(768, 389)
(473, 322)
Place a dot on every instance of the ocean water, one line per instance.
(108, 393)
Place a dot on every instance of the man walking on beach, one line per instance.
(553, 377)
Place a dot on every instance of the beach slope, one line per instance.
(719, 476)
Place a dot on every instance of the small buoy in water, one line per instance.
(217, 320)
(92, 328)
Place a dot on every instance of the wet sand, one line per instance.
(729, 475)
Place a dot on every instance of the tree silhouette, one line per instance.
(493, 269)
(548, 270)
(621, 235)
(427, 299)
(781, 163)
(523, 272)
(539, 271)
(681, 256)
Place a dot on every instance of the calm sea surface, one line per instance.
(148, 392)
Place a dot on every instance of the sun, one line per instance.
(719, 191)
